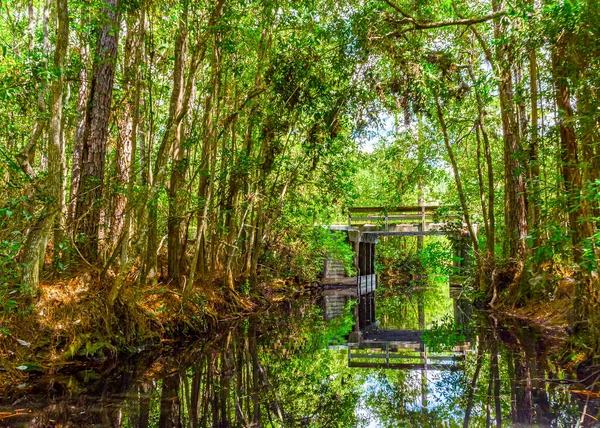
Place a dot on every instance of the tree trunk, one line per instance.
(581, 227)
(37, 238)
(173, 125)
(459, 188)
(126, 141)
(179, 166)
(534, 163)
(132, 112)
(480, 181)
(491, 238)
(515, 204)
(82, 100)
(89, 197)
(206, 166)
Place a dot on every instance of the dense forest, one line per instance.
(196, 149)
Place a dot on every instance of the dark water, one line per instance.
(289, 367)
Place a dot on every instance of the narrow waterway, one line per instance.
(426, 359)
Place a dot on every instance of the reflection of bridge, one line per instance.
(405, 349)
(406, 346)
(368, 346)
(365, 226)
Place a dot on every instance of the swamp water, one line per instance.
(292, 367)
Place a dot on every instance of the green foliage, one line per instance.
(437, 257)
(302, 252)
(399, 256)
(13, 216)
(245, 287)
(444, 336)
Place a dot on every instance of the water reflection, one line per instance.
(289, 368)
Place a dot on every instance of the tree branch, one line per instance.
(449, 23)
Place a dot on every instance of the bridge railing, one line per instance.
(385, 215)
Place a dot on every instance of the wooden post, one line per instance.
(371, 282)
(421, 226)
(387, 353)
(357, 267)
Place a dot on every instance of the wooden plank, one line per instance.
(393, 356)
(370, 218)
(362, 345)
(403, 366)
(351, 280)
(413, 208)
(363, 280)
(393, 217)
(368, 356)
(407, 217)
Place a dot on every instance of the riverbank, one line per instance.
(549, 316)
(70, 320)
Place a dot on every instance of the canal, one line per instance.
(422, 357)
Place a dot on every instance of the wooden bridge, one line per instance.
(365, 226)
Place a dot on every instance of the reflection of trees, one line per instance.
(506, 380)
(275, 371)
(397, 398)
(251, 378)
(409, 308)
(500, 386)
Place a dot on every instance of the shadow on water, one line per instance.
(447, 365)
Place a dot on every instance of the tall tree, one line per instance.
(515, 203)
(37, 239)
(94, 141)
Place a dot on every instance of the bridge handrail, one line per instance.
(405, 209)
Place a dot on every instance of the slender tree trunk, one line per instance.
(131, 131)
(534, 163)
(37, 238)
(178, 154)
(491, 231)
(206, 164)
(82, 100)
(173, 125)
(126, 138)
(459, 187)
(480, 181)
